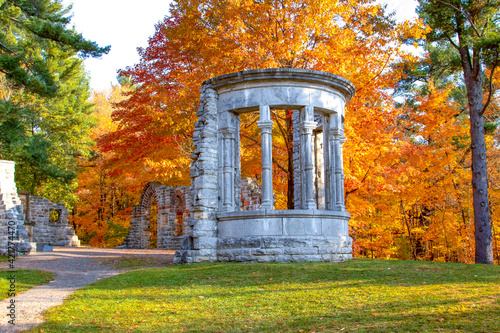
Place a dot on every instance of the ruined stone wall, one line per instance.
(11, 211)
(251, 194)
(48, 223)
(173, 206)
(201, 244)
(172, 232)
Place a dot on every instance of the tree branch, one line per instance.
(7, 49)
(377, 75)
(464, 14)
(490, 86)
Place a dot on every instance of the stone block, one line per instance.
(231, 228)
(334, 227)
(303, 258)
(274, 251)
(243, 258)
(263, 227)
(202, 233)
(265, 259)
(271, 242)
(22, 234)
(283, 258)
(242, 252)
(205, 243)
(204, 224)
(250, 242)
(229, 243)
(297, 242)
(225, 254)
(327, 257)
(259, 252)
(22, 247)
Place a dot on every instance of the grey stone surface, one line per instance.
(22, 247)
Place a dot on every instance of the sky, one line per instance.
(127, 25)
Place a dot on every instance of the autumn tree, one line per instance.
(202, 39)
(105, 195)
(469, 35)
(44, 115)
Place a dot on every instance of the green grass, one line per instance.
(359, 295)
(24, 279)
(136, 261)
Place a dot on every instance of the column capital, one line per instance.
(265, 124)
(229, 130)
(336, 131)
(308, 125)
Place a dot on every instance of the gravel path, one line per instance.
(74, 268)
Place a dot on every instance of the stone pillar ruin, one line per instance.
(220, 226)
(13, 235)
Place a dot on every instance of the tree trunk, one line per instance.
(474, 86)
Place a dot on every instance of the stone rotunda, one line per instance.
(317, 228)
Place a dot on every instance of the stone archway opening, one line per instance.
(152, 228)
(248, 159)
(180, 211)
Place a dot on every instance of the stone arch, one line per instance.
(139, 234)
(173, 204)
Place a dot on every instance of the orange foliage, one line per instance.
(407, 169)
(106, 197)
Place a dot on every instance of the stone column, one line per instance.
(339, 170)
(266, 124)
(307, 126)
(329, 152)
(335, 176)
(228, 134)
(297, 166)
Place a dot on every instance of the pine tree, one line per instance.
(44, 115)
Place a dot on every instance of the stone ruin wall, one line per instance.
(11, 212)
(47, 223)
(30, 217)
(251, 194)
(173, 204)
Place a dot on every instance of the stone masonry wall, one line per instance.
(201, 244)
(12, 229)
(251, 194)
(49, 224)
(173, 206)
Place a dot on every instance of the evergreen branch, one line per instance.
(452, 42)
(16, 20)
(464, 14)
(7, 49)
(490, 88)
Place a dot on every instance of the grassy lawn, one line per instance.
(359, 295)
(24, 280)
